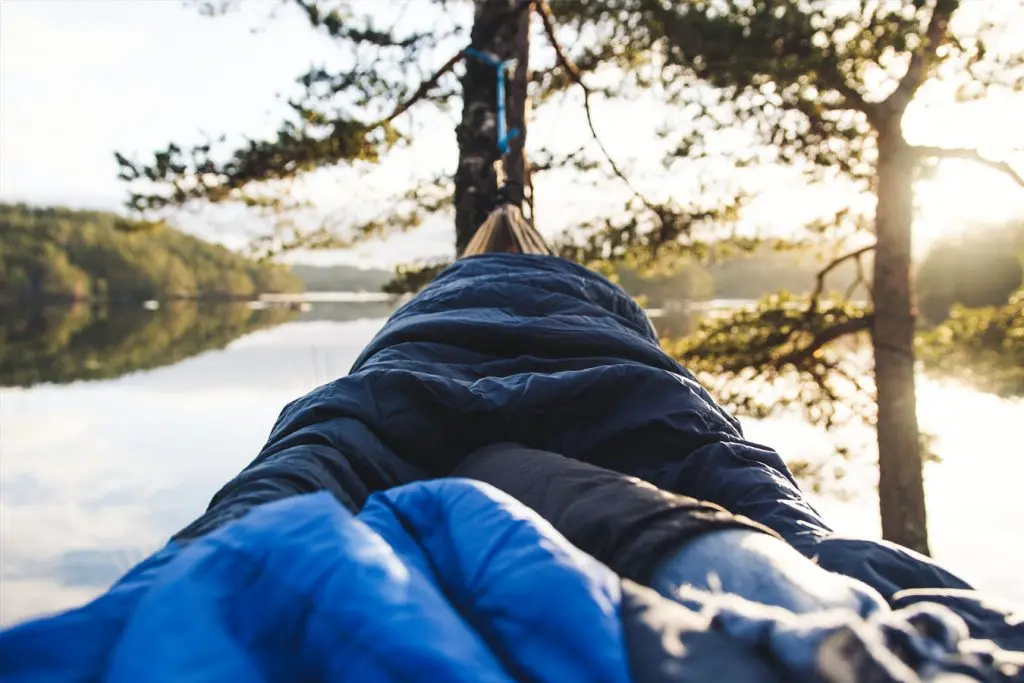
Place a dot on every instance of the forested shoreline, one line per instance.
(54, 254)
(59, 254)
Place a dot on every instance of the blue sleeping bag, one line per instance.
(453, 581)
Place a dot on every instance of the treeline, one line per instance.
(972, 288)
(62, 344)
(341, 278)
(979, 268)
(65, 254)
(741, 277)
(982, 267)
(982, 347)
(748, 276)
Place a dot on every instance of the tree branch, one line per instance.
(424, 88)
(819, 287)
(922, 58)
(544, 10)
(823, 337)
(428, 84)
(1004, 167)
(860, 281)
(855, 99)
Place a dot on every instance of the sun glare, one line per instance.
(962, 197)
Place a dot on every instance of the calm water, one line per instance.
(116, 427)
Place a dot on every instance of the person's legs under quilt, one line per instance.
(662, 540)
(679, 545)
(543, 352)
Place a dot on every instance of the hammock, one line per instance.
(506, 231)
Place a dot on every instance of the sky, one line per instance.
(80, 79)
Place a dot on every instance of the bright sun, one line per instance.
(963, 196)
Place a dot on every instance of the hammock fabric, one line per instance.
(506, 232)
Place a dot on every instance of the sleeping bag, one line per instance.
(545, 353)
(454, 581)
(331, 557)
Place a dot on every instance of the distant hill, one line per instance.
(64, 254)
(341, 278)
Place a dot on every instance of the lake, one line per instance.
(117, 426)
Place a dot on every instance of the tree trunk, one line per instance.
(476, 183)
(901, 480)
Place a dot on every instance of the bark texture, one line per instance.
(901, 480)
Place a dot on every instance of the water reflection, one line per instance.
(97, 474)
(344, 311)
(61, 344)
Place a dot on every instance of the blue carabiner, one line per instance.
(504, 135)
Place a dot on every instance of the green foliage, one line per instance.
(783, 351)
(758, 82)
(340, 116)
(414, 277)
(807, 83)
(297, 148)
(983, 347)
(979, 268)
(66, 344)
(53, 253)
(784, 72)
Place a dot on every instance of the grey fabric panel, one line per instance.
(670, 643)
(624, 522)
